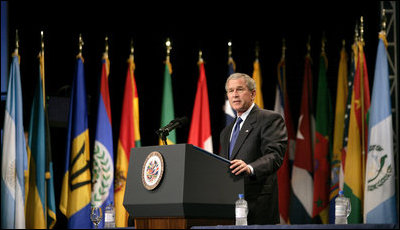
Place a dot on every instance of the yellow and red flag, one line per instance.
(129, 137)
(358, 139)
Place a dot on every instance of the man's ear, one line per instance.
(253, 94)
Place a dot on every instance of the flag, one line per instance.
(129, 137)
(380, 183)
(257, 78)
(103, 154)
(76, 184)
(301, 198)
(50, 199)
(357, 141)
(282, 107)
(230, 114)
(167, 106)
(200, 127)
(338, 133)
(40, 203)
(322, 146)
(354, 58)
(50, 196)
(14, 162)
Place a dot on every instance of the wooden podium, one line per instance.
(196, 189)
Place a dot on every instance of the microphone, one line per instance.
(176, 123)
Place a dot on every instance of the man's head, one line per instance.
(241, 91)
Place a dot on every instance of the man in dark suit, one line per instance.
(256, 146)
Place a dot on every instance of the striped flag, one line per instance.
(341, 97)
(380, 185)
(200, 127)
(358, 138)
(167, 106)
(301, 199)
(129, 137)
(14, 155)
(257, 78)
(76, 184)
(103, 154)
(230, 114)
(322, 146)
(282, 106)
(40, 204)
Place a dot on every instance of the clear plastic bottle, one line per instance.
(342, 208)
(241, 210)
(109, 216)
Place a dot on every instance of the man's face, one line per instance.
(240, 97)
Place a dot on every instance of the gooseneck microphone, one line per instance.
(163, 132)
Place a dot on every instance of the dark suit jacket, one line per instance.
(261, 143)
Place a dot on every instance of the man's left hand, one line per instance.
(239, 166)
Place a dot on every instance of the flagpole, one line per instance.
(41, 57)
(362, 98)
(41, 61)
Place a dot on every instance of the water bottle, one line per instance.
(342, 208)
(109, 216)
(241, 210)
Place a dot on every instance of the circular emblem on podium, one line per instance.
(152, 171)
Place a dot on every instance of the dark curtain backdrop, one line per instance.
(190, 26)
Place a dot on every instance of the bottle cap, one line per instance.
(241, 196)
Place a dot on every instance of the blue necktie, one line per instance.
(235, 134)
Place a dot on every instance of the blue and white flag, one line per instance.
(103, 157)
(380, 192)
(14, 155)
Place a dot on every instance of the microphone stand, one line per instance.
(163, 135)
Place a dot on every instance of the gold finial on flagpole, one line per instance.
(283, 48)
(200, 56)
(42, 41)
(257, 50)
(356, 33)
(80, 45)
(362, 29)
(230, 48)
(323, 43)
(383, 20)
(309, 46)
(106, 44)
(343, 43)
(16, 42)
(168, 44)
(132, 49)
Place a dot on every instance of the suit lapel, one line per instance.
(244, 131)
(226, 140)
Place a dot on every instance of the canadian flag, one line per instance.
(200, 127)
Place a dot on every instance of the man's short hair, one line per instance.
(250, 83)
